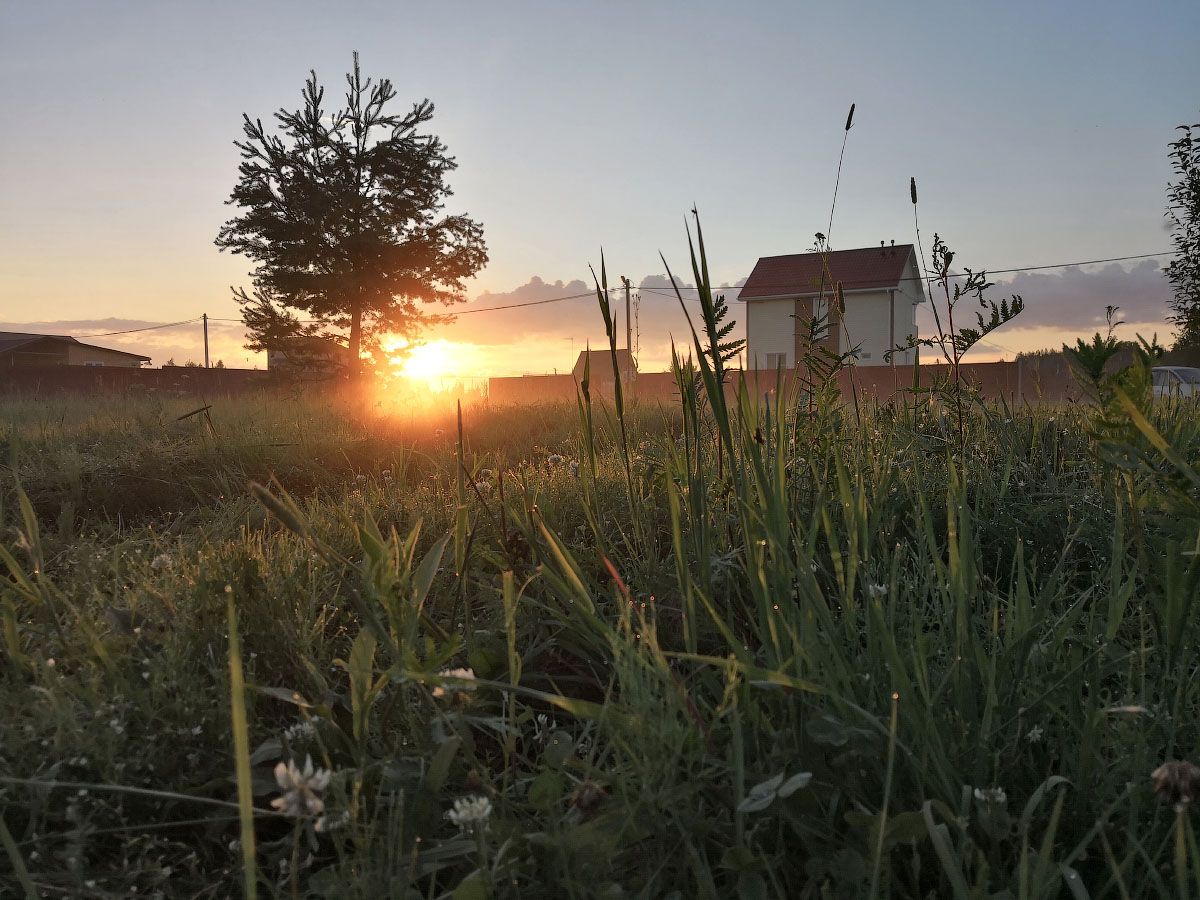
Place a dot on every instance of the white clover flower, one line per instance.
(555, 459)
(467, 675)
(876, 591)
(360, 479)
(470, 813)
(486, 474)
(160, 562)
(301, 732)
(1034, 735)
(991, 795)
(301, 787)
(484, 487)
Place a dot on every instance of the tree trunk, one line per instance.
(355, 337)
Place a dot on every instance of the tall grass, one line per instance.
(748, 647)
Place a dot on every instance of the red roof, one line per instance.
(798, 274)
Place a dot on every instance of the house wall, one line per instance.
(868, 326)
(909, 293)
(42, 353)
(770, 328)
(82, 355)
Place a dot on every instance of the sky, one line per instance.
(1037, 133)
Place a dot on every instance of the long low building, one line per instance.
(20, 350)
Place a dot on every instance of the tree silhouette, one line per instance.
(1183, 213)
(342, 212)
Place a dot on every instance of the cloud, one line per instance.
(1074, 299)
(575, 322)
(1060, 305)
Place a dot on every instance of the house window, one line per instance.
(776, 360)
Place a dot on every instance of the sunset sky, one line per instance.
(1036, 131)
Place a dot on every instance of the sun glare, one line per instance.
(436, 363)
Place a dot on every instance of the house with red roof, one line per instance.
(882, 287)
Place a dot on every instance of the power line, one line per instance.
(664, 293)
(875, 281)
(147, 328)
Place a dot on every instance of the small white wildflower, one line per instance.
(360, 479)
(161, 562)
(876, 591)
(991, 795)
(555, 459)
(486, 474)
(467, 675)
(387, 474)
(301, 789)
(299, 733)
(573, 465)
(484, 487)
(470, 812)
(1034, 735)
(51, 663)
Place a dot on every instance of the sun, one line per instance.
(435, 363)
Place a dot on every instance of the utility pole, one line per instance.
(204, 316)
(628, 320)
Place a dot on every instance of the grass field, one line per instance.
(791, 649)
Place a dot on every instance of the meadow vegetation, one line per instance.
(740, 645)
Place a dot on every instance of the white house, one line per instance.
(882, 286)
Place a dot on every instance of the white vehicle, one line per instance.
(1176, 381)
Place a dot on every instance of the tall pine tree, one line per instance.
(342, 211)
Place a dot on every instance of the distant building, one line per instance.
(308, 356)
(21, 350)
(882, 287)
(600, 367)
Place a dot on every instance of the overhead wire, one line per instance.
(146, 328)
(664, 292)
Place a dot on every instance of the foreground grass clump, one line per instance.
(730, 649)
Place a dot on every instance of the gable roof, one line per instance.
(799, 274)
(600, 362)
(13, 340)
